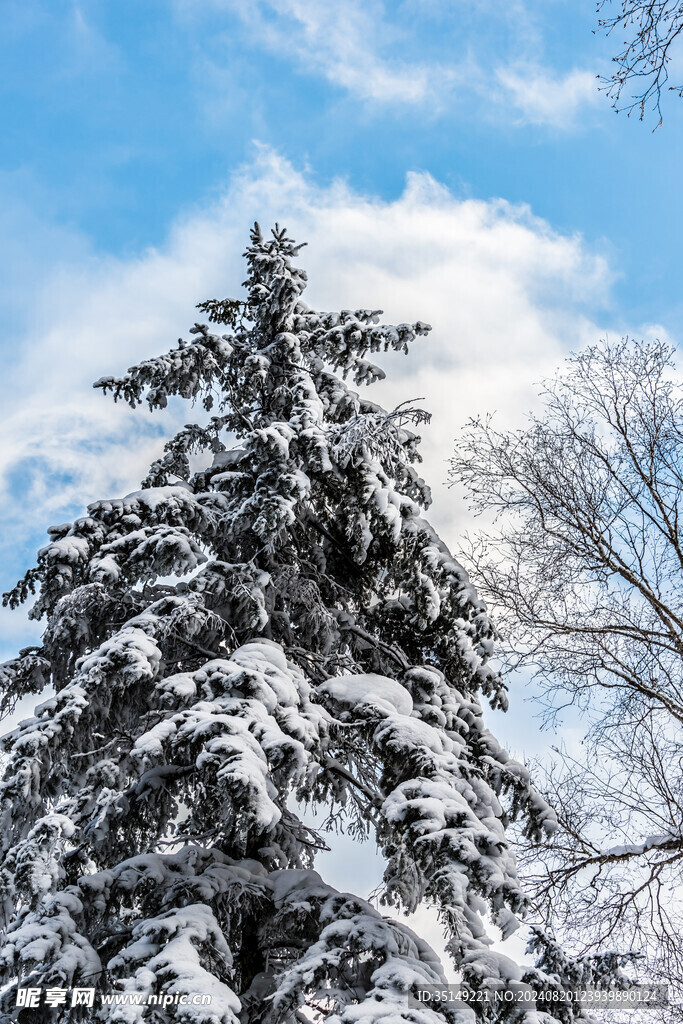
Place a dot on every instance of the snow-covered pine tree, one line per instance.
(225, 645)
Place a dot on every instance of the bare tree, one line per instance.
(652, 28)
(586, 570)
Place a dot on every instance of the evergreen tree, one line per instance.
(279, 627)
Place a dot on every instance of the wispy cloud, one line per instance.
(437, 60)
(543, 97)
(347, 42)
(87, 48)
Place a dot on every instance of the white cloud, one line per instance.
(506, 295)
(544, 98)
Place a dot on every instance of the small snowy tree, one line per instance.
(277, 628)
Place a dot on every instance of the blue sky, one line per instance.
(448, 160)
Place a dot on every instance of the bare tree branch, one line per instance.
(586, 573)
(652, 29)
